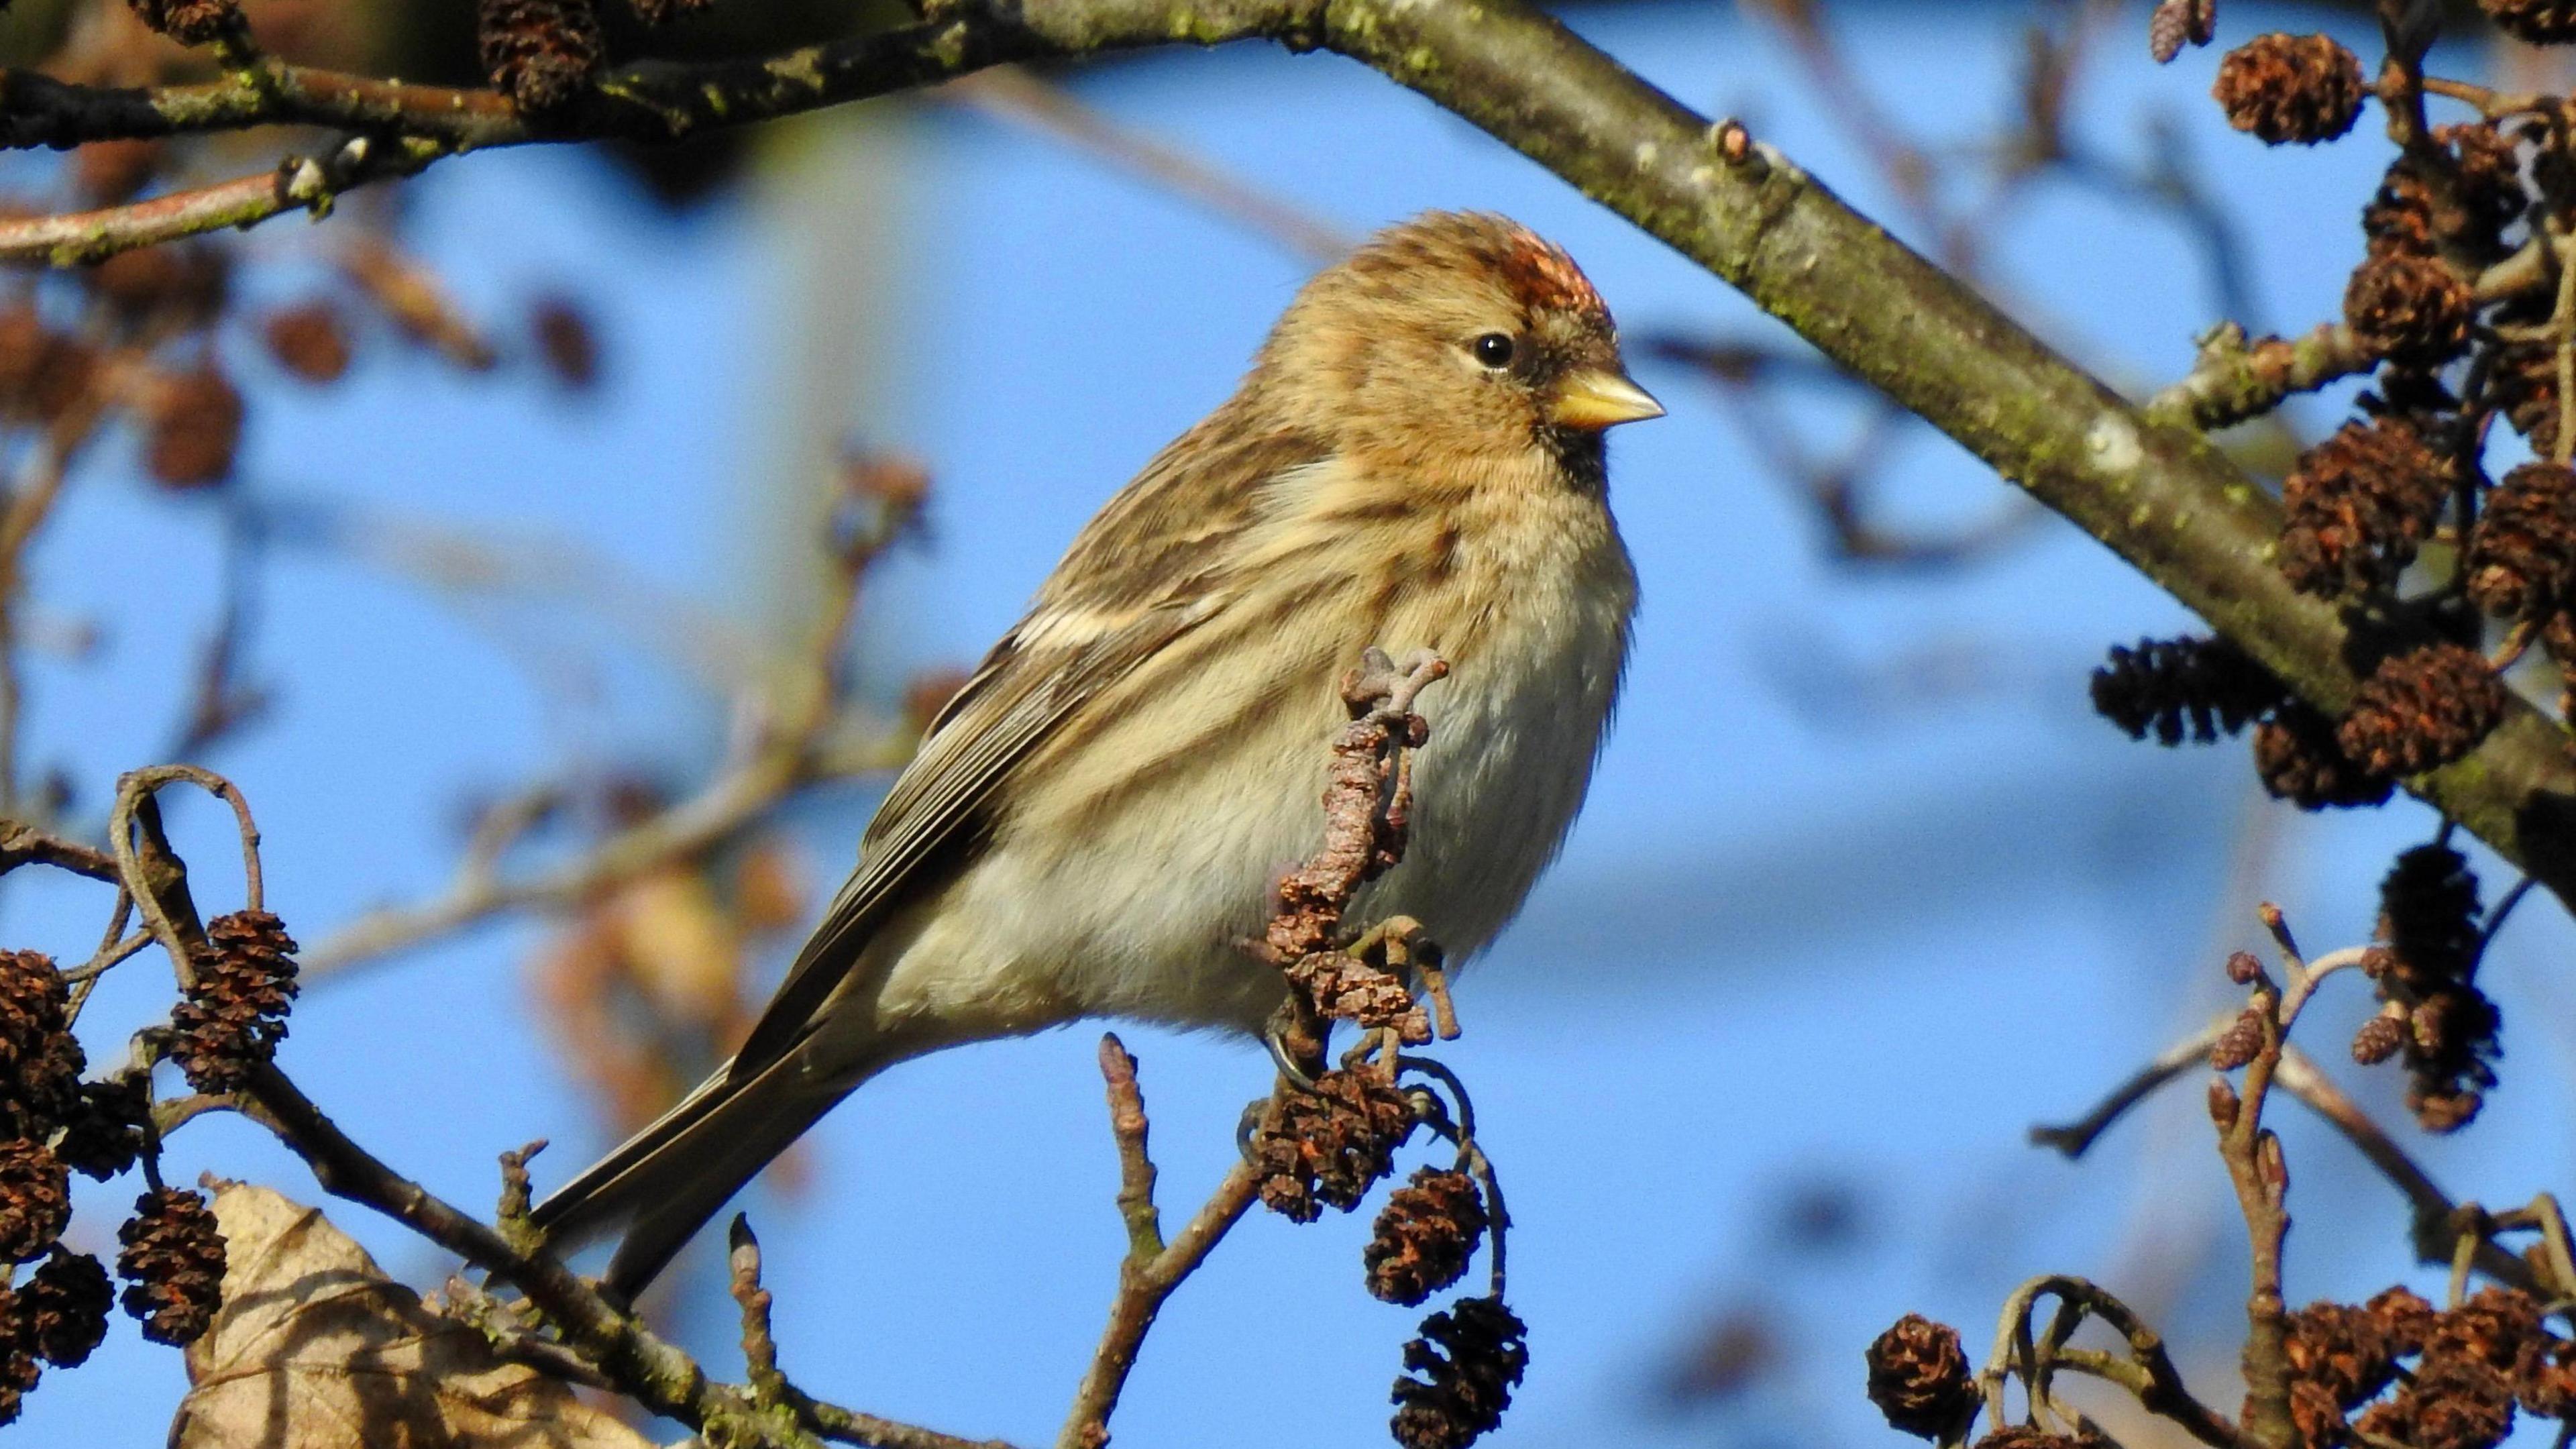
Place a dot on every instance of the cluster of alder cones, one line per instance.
(2398, 517)
(2392, 1370)
(53, 1123)
(2457, 345)
(1327, 1147)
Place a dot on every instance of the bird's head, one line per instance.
(1455, 333)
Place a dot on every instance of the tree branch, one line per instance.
(1152, 1268)
(297, 183)
(654, 1372)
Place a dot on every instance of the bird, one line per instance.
(1096, 823)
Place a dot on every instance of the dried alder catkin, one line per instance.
(2179, 689)
(1327, 1147)
(61, 1310)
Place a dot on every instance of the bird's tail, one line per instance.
(663, 1184)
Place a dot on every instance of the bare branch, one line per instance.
(2234, 379)
(2077, 1137)
(24, 844)
(2148, 1372)
(1151, 1269)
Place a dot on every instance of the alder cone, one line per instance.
(309, 341)
(2411, 309)
(189, 22)
(1424, 1236)
(171, 1255)
(35, 1006)
(2357, 506)
(2522, 555)
(1463, 1392)
(1327, 1147)
(62, 1308)
(111, 173)
(2430, 917)
(2421, 710)
(103, 1132)
(2300, 760)
(541, 53)
(2342, 1350)
(2448, 1029)
(35, 1199)
(2457, 198)
(234, 1012)
(2176, 23)
(1919, 1377)
(2378, 1039)
(192, 429)
(2291, 88)
(2179, 689)
(2524, 384)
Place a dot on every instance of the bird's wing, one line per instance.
(1151, 567)
(1011, 704)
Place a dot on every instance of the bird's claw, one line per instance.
(1275, 1037)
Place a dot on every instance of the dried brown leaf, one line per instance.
(316, 1349)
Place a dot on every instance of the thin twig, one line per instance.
(24, 844)
(296, 183)
(2234, 379)
(759, 1343)
(2077, 1137)
(2149, 1371)
(1135, 1164)
(2260, 1176)
(1152, 1269)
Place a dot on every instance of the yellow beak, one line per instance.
(1598, 398)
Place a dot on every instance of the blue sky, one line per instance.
(1863, 889)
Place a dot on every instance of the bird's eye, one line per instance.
(1494, 349)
